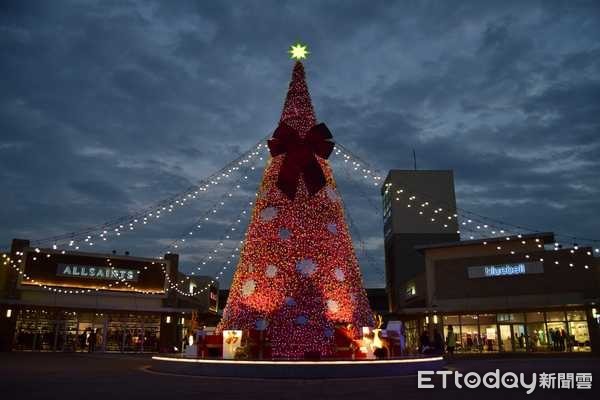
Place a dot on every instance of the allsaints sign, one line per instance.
(491, 271)
(100, 273)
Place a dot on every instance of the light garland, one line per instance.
(213, 209)
(7, 260)
(439, 217)
(211, 256)
(128, 223)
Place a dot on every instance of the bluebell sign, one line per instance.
(492, 271)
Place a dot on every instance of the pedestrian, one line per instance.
(450, 342)
(438, 342)
(92, 341)
(522, 340)
(424, 342)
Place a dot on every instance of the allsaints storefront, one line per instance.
(73, 301)
(53, 329)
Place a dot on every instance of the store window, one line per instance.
(537, 339)
(576, 315)
(469, 335)
(454, 321)
(556, 331)
(412, 336)
(510, 318)
(488, 332)
(555, 316)
(579, 334)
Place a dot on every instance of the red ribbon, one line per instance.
(300, 157)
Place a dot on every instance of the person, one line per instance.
(563, 339)
(450, 342)
(92, 341)
(438, 342)
(469, 342)
(82, 341)
(424, 342)
(522, 340)
(402, 340)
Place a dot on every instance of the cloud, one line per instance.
(108, 107)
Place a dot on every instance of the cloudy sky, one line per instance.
(107, 107)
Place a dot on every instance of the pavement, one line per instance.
(108, 376)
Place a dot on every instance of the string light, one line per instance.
(478, 225)
(143, 217)
(297, 276)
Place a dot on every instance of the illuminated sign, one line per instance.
(492, 271)
(501, 270)
(100, 273)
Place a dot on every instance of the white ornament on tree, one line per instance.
(290, 302)
(332, 228)
(333, 306)
(268, 214)
(306, 267)
(332, 194)
(339, 274)
(261, 324)
(284, 234)
(248, 287)
(271, 271)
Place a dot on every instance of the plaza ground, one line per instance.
(107, 376)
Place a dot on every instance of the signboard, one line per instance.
(97, 272)
(80, 270)
(493, 271)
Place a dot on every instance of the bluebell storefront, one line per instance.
(504, 295)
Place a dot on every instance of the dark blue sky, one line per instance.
(106, 107)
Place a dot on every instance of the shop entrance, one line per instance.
(513, 337)
(41, 330)
(506, 343)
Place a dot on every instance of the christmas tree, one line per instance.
(298, 276)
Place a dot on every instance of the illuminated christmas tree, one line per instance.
(298, 276)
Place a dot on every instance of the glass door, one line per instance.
(520, 338)
(506, 338)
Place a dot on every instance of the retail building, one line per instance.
(54, 300)
(507, 293)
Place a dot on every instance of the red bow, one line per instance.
(300, 157)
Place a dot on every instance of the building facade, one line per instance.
(513, 295)
(517, 293)
(53, 300)
(405, 228)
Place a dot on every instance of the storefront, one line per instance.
(501, 295)
(59, 330)
(563, 331)
(74, 301)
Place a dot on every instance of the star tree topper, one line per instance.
(298, 51)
